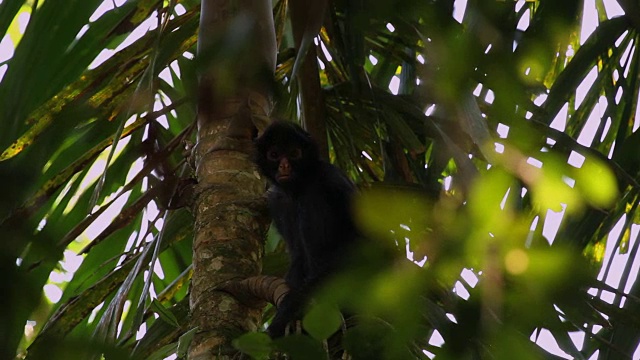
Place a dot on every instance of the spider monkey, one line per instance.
(310, 203)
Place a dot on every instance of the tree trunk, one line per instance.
(306, 20)
(237, 49)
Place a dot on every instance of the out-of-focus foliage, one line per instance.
(495, 143)
(97, 102)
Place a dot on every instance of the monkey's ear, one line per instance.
(260, 123)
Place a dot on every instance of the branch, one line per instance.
(271, 289)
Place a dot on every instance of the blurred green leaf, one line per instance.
(322, 321)
(300, 347)
(596, 182)
(257, 345)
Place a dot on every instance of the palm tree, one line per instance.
(229, 212)
(495, 144)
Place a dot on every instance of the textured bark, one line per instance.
(230, 216)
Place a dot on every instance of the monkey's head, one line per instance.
(286, 155)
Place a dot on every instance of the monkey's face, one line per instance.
(285, 164)
(286, 155)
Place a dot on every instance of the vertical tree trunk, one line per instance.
(306, 20)
(238, 49)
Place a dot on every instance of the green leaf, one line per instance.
(184, 342)
(164, 313)
(322, 321)
(301, 347)
(586, 57)
(255, 344)
(596, 182)
(163, 352)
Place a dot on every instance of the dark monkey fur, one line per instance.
(310, 203)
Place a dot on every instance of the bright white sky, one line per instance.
(550, 227)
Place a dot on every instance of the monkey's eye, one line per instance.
(296, 154)
(273, 155)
